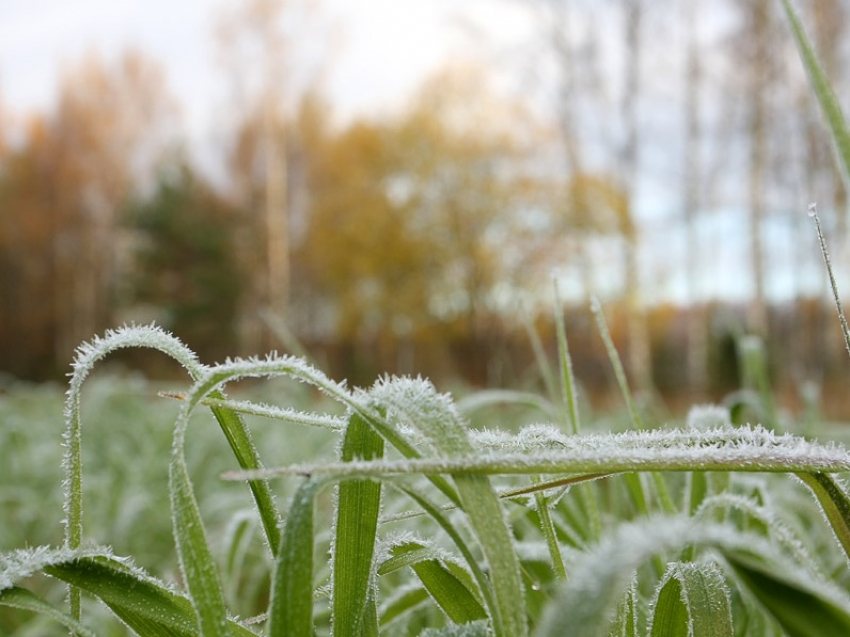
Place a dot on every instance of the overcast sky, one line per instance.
(378, 49)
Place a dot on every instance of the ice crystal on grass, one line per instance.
(415, 402)
(741, 449)
(22, 563)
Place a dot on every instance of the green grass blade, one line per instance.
(693, 599)
(357, 509)
(442, 519)
(291, 606)
(196, 560)
(23, 599)
(406, 600)
(744, 449)
(800, 608)
(548, 529)
(568, 381)
(835, 504)
(626, 622)
(147, 606)
(829, 105)
(416, 403)
(239, 438)
(451, 588)
(87, 355)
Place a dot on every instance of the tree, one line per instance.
(63, 188)
(106, 135)
(185, 264)
(411, 221)
(266, 66)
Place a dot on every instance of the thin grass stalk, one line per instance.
(830, 107)
(587, 492)
(543, 365)
(836, 298)
(549, 533)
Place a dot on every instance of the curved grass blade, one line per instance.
(291, 606)
(587, 605)
(416, 403)
(357, 509)
(800, 608)
(440, 517)
(24, 599)
(239, 438)
(147, 606)
(449, 585)
(87, 355)
(692, 599)
(835, 504)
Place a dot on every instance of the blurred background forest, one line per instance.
(657, 155)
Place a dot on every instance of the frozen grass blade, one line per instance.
(291, 605)
(802, 607)
(416, 403)
(196, 560)
(616, 363)
(829, 105)
(23, 599)
(357, 509)
(845, 328)
(835, 504)
(448, 584)
(440, 517)
(693, 599)
(87, 355)
(626, 622)
(239, 438)
(744, 449)
(543, 365)
(147, 606)
(548, 529)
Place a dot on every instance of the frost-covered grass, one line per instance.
(382, 511)
(396, 517)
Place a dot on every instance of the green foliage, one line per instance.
(437, 525)
(187, 262)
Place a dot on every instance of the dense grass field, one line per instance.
(400, 510)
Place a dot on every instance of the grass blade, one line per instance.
(147, 606)
(692, 599)
(23, 599)
(239, 438)
(291, 606)
(835, 504)
(357, 509)
(800, 608)
(196, 559)
(87, 355)
(449, 585)
(416, 403)
(830, 108)
(548, 529)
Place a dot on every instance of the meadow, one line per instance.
(302, 506)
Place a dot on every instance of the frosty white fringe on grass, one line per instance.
(722, 449)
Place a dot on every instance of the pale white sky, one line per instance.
(378, 50)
